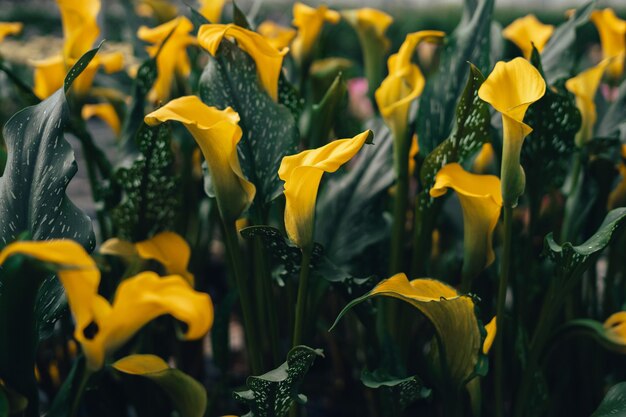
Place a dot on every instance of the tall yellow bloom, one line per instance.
(217, 133)
(511, 88)
(80, 28)
(612, 32)
(526, 31)
(302, 174)
(172, 58)
(309, 22)
(268, 59)
(9, 28)
(278, 36)
(481, 202)
(584, 86)
(212, 9)
(161, 10)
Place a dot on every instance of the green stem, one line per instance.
(237, 268)
(302, 296)
(505, 270)
(84, 378)
(573, 194)
(400, 204)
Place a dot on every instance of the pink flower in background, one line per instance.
(359, 103)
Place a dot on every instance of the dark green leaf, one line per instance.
(239, 17)
(11, 403)
(273, 393)
(79, 66)
(399, 393)
(24, 88)
(50, 306)
(63, 399)
(269, 128)
(613, 123)
(614, 402)
(468, 43)
(323, 113)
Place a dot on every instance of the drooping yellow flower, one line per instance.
(404, 83)
(268, 59)
(104, 111)
(212, 9)
(491, 335)
(615, 327)
(172, 58)
(9, 28)
(278, 36)
(481, 202)
(526, 31)
(612, 32)
(217, 133)
(511, 88)
(484, 159)
(302, 174)
(167, 248)
(309, 22)
(584, 86)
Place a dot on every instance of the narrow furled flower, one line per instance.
(309, 22)
(612, 32)
(526, 32)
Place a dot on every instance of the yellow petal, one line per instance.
(481, 202)
(491, 335)
(612, 32)
(139, 300)
(309, 22)
(161, 10)
(278, 36)
(484, 159)
(268, 59)
(48, 75)
(140, 364)
(302, 174)
(104, 111)
(170, 250)
(370, 24)
(526, 31)
(118, 247)
(9, 28)
(511, 88)
(80, 28)
(212, 9)
(217, 133)
(615, 327)
(584, 86)
(110, 61)
(413, 151)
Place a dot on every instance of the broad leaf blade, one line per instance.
(614, 403)
(399, 393)
(613, 123)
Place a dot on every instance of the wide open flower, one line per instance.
(309, 22)
(404, 83)
(212, 9)
(268, 59)
(302, 174)
(167, 248)
(276, 35)
(526, 31)
(584, 87)
(217, 133)
(511, 88)
(612, 32)
(481, 202)
(9, 28)
(172, 58)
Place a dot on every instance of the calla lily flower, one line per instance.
(612, 32)
(584, 86)
(481, 202)
(9, 28)
(268, 59)
(615, 327)
(104, 111)
(526, 31)
(302, 174)
(80, 26)
(404, 83)
(309, 22)
(167, 248)
(276, 35)
(371, 25)
(491, 335)
(161, 10)
(217, 133)
(48, 76)
(511, 88)
(484, 159)
(212, 9)
(172, 58)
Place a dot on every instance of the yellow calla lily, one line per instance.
(481, 202)
(615, 327)
(612, 32)
(511, 88)
(9, 28)
(217, 133)
(278, 36)
(484, 159)
(584, 86)
(526, 31)
(161, 10)
(302, 174)
(268, 59)
(172, 58)
(167, 248)
(104, 111)
(140, 364)
(80, 26)
(309, 22)
(48, 76)
(212, 9)
(491, 329)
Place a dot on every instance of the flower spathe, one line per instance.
(217, 133)
(481, 202)
(80, 26)
(615, 327)
(511, 88)
(104, 111)
(526, 31)
(584, 86)
(212, 9)
(302, 174)
(491, 329)
(309, 22)
(278, 36)
(268, 59)
(9, 28)
(612, 32)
